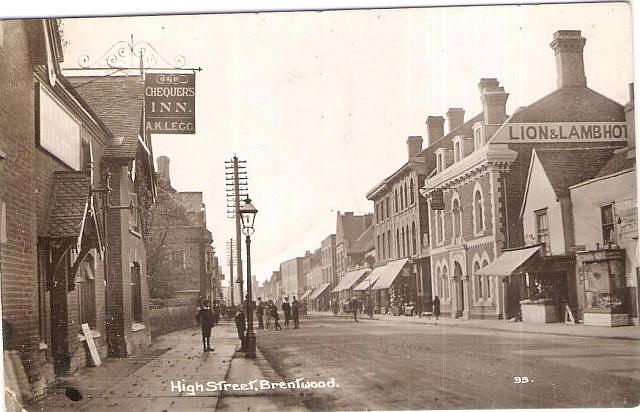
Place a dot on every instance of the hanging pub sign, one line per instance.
(170, 103)
(437, 199)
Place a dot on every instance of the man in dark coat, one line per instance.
(274, 315)
(286, 308)
(436, 307)
(241, 326)
(260, 313)
(354, 308)
(295, 311)
(206, 319)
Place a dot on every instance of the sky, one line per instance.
(320, 104)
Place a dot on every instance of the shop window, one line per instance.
(542, 228)
(604, 286)
(85, 287)
(478, 284)
(136, 293)
(608, 227)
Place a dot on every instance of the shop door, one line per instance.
(514, 284)
(59, 317)
(457, 275)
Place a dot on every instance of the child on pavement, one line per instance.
(206, 319)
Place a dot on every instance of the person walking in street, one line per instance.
(206, 319)
(241, 326)
(267, 309)
(354, 308)
(286, 308)
(260, 313)
(276, 317)
(436, 307)
(295, 311)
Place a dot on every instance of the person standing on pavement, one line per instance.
(267, 309)
(260, 313)
(241, 326)
(286, 308)
(276, 318)
(295, 311)
(436, 307)
(354, 308)
(206, 319)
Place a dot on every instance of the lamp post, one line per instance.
(248, 214)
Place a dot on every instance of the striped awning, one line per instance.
(508, 262)
(306, 294)
(371, 279)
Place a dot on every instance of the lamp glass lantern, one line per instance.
(248, 216)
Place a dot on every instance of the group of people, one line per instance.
(268, 311)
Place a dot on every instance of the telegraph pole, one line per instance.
(230, 258)
(236, 177)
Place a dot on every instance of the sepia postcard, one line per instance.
(397, 208)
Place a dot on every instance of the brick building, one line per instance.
(400, 226)
(292, 277)
(477, 179)
(57, 238)
(328, 260)
(181, 241)
(348, 228)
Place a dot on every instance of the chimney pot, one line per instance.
(568, 46)
(455, 117)
(494, 104)
(414, 145)
(435, 128)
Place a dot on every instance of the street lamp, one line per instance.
(248, 215)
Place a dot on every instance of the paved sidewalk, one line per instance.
(579, 330)
(156, 381)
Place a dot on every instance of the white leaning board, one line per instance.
(88, 336)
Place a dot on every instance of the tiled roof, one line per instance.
(67, 209)
(117, 100)
(121, 148)
(365, 242)
(354, 225)
(621, 160)
(570, 104)
(567, 167)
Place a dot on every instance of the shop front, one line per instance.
(602, 287)
(319, 298)
(343, 292)
(396, 288)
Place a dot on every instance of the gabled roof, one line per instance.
(571, 104)
(364, 242)
(121, 148)
(351, 226)
(567, 167)
(117, 100)
(70, 196)
(621, 160)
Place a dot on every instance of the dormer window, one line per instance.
(478, 136)
(458, 148)
(440, 159)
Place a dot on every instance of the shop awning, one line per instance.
(306, 294)
(391, 272)
(509, 261)
(371, 279)
(319, 291)
(349, 279)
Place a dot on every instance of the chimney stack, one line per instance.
(435, 128)
(567, 46)
(455, 117)
(163, 169)
(414, 145)
(494, 101)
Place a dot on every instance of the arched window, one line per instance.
(478, 211)
(439, 282)
(478, 281)
(384, 244)
(456, 218)
(395, 200)
(487, 280)
(397, 242)
(412, 195)
(404, 243)
(389, 244)
(406, 204)
(378, 250)
(445, 283)
(413, 238)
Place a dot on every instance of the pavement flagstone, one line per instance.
(156, 381)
